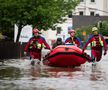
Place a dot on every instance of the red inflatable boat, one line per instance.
(65, 56)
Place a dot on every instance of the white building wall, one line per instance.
(105, 7)
(87, 6)
(51, 35)
(64, 26)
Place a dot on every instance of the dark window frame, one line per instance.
(81, 13)
(92, 0)
(81, 0)
(92, 13)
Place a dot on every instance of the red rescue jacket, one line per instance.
(96, 41)
(36, 44)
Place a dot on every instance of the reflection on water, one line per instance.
(55, 72)
(97, 74)
(19, 75)
(9, 72)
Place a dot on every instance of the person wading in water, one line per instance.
(35, 45)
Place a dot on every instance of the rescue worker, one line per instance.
(96, 42)
(35, 45)
(58, 42)
(73, 40)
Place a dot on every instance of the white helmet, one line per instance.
(94, 29)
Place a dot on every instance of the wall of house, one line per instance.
(87, 6)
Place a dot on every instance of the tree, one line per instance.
(104, 28)
(80, 31)
(42, 14)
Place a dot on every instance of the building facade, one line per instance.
(105, 7)
(92, 8)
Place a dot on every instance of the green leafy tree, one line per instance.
(80, 32)
(104, 28)
(42, 14)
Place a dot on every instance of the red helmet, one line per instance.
(35, 30)
(70, 31)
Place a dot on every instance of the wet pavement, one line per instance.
(18, 74)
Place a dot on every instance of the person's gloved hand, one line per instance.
(25, 53)
(105, 52)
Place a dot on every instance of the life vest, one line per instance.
(97, 41)
(35, 45)
(72, 40)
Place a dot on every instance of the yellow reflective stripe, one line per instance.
(39, 46)
(73, 40)
(93, 43)
(101, 42)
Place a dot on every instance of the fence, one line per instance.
(10, 50)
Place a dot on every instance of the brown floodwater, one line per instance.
(18, 74)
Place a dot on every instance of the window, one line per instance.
(92, 13)
(92, 0)
(81, 0)
(59, 30)
(81, 13)
(70, 15)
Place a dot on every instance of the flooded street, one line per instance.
(18, 74)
